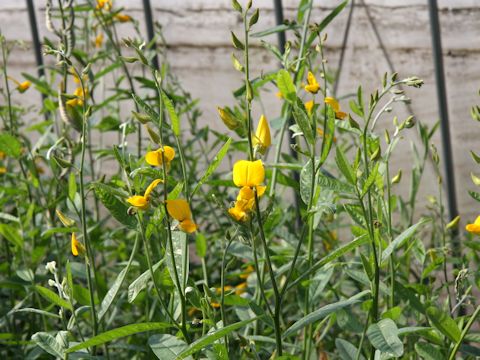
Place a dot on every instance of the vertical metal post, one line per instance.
(35, 39)
(279, 20)
(147, 10)
(442, 108)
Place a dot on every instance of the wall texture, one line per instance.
(197, 32)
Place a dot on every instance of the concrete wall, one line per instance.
(197, 32)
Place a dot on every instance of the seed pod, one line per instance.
(453, 224)
(396, 179)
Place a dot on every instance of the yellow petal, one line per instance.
(169, 153)
(241, 288)
(138, 201)
(477, 221)
(312, 86)
(123, 18)
(248, 173)
(333, 103)
(237, 213)
(22, 87)
(474, 229)
(3, 170)
(77, 246)
(261, 190)
(188, 226)
(340, 115)
(153, 158)
(262, 135)
(245, 193)
(150, 187)
(179, 209)
(309, 106)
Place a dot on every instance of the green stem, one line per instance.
(464, 333)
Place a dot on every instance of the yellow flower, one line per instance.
(262, 137)
(3, 170)
(246, 273)
(141, 202)
(79, 97)
(279, 95)
(180, 211)
(155, 158)
(312, 84)
(241, 288)
(104, 4)
(475, 227)
(309, 106)
(123, 18)
(99, 40)
(77, 246)
(336, 107)
(24, 86)
(248, 173)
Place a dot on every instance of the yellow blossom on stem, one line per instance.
(180, 211)
(309, 106)
(104, 4)
(475, 227)
(312, 84)
(123, 18)
(79, 97)
(336, 107)
(141, 202)
(262, 138)
(246, 273)
(99, 40)
(3, 170)
(155, 158)
(24, 86)
(248, 173)
(77, 246)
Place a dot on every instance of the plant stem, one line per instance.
(464, 333)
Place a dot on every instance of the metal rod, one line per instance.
(147, 10)
(279, 20)
(443, 108)
(35, 39)
(344, 48)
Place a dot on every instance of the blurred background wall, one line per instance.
(198, 37)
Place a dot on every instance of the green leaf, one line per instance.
(36, 311)
(275, 29)
(201, 245)
(213, 165)
(428, 351)
(286, 86)
(346, 350)
(72, 186)
(140, 282)
(306, 181)
(116, 207)
(172, 113)
(179, 242)
(11, 233)
(400, 239)
(335, 254)
(334, 184)
(48, 343)
(384, 337)
(53, 297)
(328, 135)
(212, 337)
(323, 312)
(166, 346)
(10, 145)
(117, 333)
(303, 122)
(370, 180)
(324, 23)
(112, 292)
(444, 323)
(237, 44)
(344, 166)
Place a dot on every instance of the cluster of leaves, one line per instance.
(333, 262)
